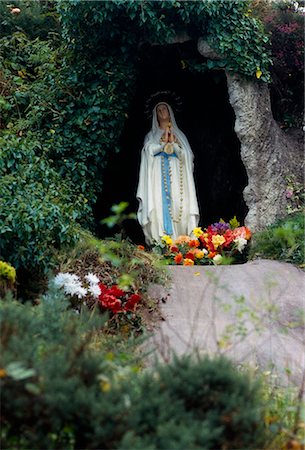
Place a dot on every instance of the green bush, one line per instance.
(60, 390)
(284, 240)
(38, 212)
(195, 404)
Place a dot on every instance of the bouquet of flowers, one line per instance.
(219, 243)
(111, 298)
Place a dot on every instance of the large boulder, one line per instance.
(253, 313)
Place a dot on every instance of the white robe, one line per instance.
(149, 192)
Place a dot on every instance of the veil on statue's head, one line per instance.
(169, 97)
(155, 123)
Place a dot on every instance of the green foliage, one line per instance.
(283, 240)
(228, 26)
(285, 25)
(51, 370)
(195, 404)
(37, 18)
(38, 212)
(79, 394)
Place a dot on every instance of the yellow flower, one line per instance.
(167, 240)
(259, 73)
(199, 254)
(197, 232)
(7, 272)
(188, 262)
(218, 240)
(105, 386)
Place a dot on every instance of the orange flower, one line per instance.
(194, 243)
(243, 232)
(211, 254)
(141, 247)
(182, 240)
(188, 262)
(178, 258)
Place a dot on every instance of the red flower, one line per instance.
(132, 301)
(194, 243)
(174, 249)
(190, 255)
(229, 236)
(116, 291)
(178, 258)
(111, 302)
(141, 247)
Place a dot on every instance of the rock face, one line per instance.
(252, 313)
(267, 153)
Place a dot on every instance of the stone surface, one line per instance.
(251, 313)
(268, 154)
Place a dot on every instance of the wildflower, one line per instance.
(71, 284)
(94, 290)
(167, 240)
(199, 254)
(194, 243)
(188, 262)
(111, 302)
(197, 232)
(243, 232)
(178, 258)
(91, 278)
(182, 240)
(116, 291)
(259, 73)
(218, 240)
(217, 259)
(189, 255)
(132, 301)
(141, 247)
(240, 243)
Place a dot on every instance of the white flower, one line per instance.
(95, 290)
(240, 243)
(71, 284)
(217, 259)
(205, 251)
(91, 278)
(63, 278)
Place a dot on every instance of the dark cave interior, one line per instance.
(206, 118)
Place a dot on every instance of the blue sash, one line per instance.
(166, 197)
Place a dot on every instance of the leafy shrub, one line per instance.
(38, 212)
(283, 240)
(59, 392)
(285, 24)
(53, 382)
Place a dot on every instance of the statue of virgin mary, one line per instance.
(166, 190)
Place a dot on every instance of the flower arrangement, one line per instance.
(219, 243)
(112, 298)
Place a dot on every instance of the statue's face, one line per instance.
(162, 112)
